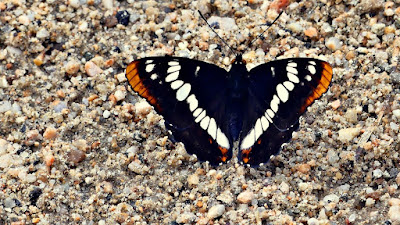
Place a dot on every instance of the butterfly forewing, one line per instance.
(190, 95)
(279, 93)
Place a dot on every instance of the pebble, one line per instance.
(311, 32)
(143, 108)
(9, 203)
(284, 187)
(92, 69)
(120, 94)
(396, 113)
(313, 221)
(295, 27)
(369, 202)
(108, 4)
(76, 156)
(351, 115)
(42, 33)
(3, 82)
(74, 3)
(24, 20)
(394, 214)
(333, 43)
(348, 134)
(216, 211)
(50, 133)
(193, 179)
(245, 197)
(72, 67)
(186, 218)
(106, 114)
(121, 77)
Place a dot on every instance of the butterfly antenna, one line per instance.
(261, 35)
(234, 51)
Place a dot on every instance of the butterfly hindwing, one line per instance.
(189, 95)
(279, 93)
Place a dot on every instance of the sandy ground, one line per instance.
(78, 147)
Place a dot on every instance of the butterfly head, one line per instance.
(239, 60)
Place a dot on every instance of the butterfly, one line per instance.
(211, 110)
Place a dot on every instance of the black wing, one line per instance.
(190, 95)
(279, 93)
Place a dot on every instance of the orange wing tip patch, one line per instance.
(224, 152)
(245, 155)
(322, 87)
(137, 85)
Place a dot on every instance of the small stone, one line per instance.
(108, 4)
(83, 26)
(332, 156)
(42, 33)
(193, 179)
(333, 43)
(284, 187)
(121, 77)
(50, 133)
(186, 218)
(81, 144)
(348, 134)
(92, 69)
(9, 203)
(394, 214)
(216, 211)
(120, 95)
(30, 178)
(76, 156)
(295, 27)
(335, 104)
(49, 159)
(369, 202)
(110, 21)
(72, 67)
(123, 17)
(106, 114)
(394, 202)
(303, 186)
(351, 116)
(313, 221)
(304, 168)
(378, 28)
(3, 82)
(138, 168)
(377, 173)
(311, 32)
(74, 3)
(396, 113)
(24, 20)
(152, 13)
(245, 197)
(6, 160)
(142, 108)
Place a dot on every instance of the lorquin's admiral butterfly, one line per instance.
(209, 109)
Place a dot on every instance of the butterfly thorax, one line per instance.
(237, 96)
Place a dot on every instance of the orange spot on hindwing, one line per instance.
(245, 155)
(224, 152)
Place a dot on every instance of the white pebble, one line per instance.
(284, 187)
(348, 134)
(3, 82)
(369, 202)
(108, 4)
(120, 95)
(396, 113)
(216, 211)
(245, 197)
(394, 214)
(106, 114)
(42, 33)
(333, 43)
